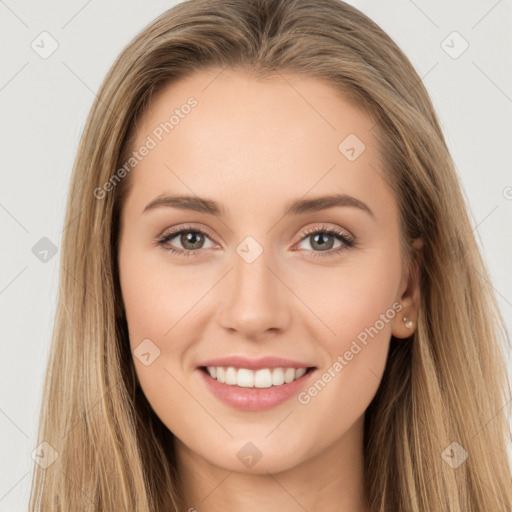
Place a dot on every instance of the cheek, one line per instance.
(166, 310)
(157, 296)
(352, 297)
(159, 301)
(357, 304)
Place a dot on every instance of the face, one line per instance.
(255, 272)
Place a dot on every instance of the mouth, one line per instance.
(261, 379)
(255, 389)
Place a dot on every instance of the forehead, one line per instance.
(258, 137)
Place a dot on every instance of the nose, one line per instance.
(254, 300)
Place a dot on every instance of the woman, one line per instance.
(272, 294)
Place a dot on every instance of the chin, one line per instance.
(256, 458)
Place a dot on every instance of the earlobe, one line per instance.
(408, 323)
(402, 326)
(404, 323)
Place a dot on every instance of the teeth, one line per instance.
(263, 378)
(277, 377)
(289, 375)
(231, 376)
(245, 378)
(300, 372)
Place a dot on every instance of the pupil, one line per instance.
(191, 238)
(319, 238)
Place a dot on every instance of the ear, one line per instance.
(409, 294)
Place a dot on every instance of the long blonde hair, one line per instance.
(446, 383)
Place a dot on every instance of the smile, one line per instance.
(255, 390)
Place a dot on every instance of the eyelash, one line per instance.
(348, 241)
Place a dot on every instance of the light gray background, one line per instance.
(44, 103)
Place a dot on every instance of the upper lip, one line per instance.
(255, 364)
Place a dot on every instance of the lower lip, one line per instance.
(255, 399)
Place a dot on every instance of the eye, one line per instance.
(324, 238)
(190, 239)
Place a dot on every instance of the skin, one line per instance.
(254, 146)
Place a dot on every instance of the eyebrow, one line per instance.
(297, 207)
